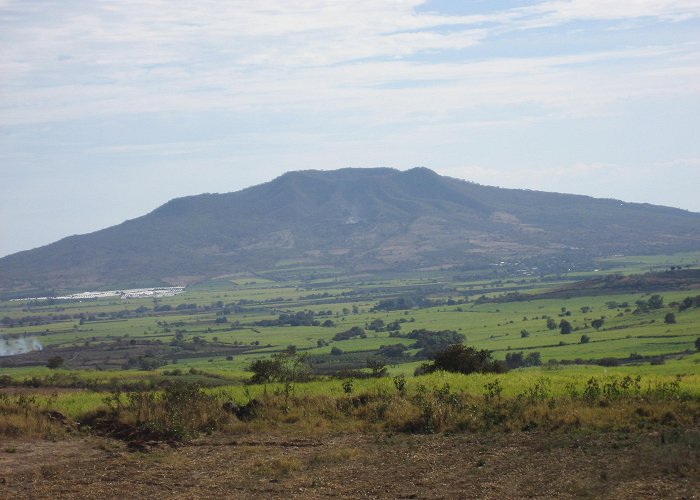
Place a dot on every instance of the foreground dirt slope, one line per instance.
(521, 465)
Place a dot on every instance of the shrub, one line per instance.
(180, 412)
(518, 359)
(565, 327)
(461, 359)
(283, 367)
(430, 342)
(55, 362)
(392, 351)
(355, 331)
(378, 367)
(689, 302)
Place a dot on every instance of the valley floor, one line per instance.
(362, 465)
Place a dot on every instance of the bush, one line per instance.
(519, 360)
(378, 367)
(392, 351)
(55, 362)
(430, 342)
(565, 327)
(461, 359)
(689, 302)
(355, 331)
(180, 412)
(283, 367)
(670, 318)
(585, 339)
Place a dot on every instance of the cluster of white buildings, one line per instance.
(134, 293)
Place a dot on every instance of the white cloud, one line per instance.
(91, 88)
(562, 11)
(74, 60)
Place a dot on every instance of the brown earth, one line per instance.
(363, 465)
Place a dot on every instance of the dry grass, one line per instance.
(182, 412)
(336, 456)
(276, 467)
(359, 465)
(24, 415)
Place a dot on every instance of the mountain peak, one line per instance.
(353, 219)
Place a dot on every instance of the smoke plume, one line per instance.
(10, 347)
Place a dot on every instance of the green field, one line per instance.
(213, 331)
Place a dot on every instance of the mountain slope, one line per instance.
(351, 218)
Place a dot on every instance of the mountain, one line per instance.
(354, 219)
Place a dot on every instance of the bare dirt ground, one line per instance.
(286, 465)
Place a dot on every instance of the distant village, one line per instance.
(134, 293)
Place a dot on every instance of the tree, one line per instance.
(655, 302)
(377, 325)
(392, 351)
(533, 359)
(393, 326)
(564, 327)
(524, 334)
(55, 362)
(430, 342)
(597, 323)
(697, 343)
(689, 302)
(265, 370)
(670, 318)
(462, 359)
(518, 360)
(378, 367)
(551, 324)
(585, 339)
(355, 331)
(282, 367)
(515, 359)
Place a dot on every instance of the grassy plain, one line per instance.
(213, 331)
(637, 377)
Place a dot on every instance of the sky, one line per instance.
(108, 109)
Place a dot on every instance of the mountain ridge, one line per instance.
(354, 219)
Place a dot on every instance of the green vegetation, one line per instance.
(346, 349)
